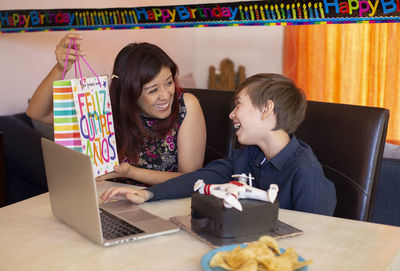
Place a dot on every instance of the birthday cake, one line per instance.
(210, 215)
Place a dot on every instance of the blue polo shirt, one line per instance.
(295, 169)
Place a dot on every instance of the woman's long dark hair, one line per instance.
(136, 65)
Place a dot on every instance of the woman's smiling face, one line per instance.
(157, 96)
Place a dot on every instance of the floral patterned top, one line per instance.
(163, 153)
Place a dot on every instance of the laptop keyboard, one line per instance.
(114, 227)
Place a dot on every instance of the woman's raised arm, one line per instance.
(41, 104)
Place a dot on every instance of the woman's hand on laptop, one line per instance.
(126, 193)
(121, 170)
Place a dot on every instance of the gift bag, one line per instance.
(83, 118)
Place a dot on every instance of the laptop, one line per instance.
(74, 201)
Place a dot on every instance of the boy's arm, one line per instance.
(313, 193)
(218, 171)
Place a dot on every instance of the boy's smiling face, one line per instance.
(247, 119)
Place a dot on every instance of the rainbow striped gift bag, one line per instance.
(83, 120)
(66, 128)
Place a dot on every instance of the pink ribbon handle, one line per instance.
(79, 66)
(87, 64)
(66, 61)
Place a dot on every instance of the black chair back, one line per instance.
(387, 200)
(216, 105)
(3, 193)
(348, 140)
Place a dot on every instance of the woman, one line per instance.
(160, 132)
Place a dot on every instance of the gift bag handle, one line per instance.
(77, 60)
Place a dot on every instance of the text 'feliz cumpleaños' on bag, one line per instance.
(83, 118)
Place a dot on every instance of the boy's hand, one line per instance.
(122, 193)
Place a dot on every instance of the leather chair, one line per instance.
(348, 140)
(216, 105)
(3, 198)
(20, 147)
(387, 200)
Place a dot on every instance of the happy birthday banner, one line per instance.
(272, 12)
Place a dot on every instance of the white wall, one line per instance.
(27, 57)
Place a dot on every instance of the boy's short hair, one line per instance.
(290, 103)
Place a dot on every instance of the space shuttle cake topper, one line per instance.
(233, 191)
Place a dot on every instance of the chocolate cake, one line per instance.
(209, 215)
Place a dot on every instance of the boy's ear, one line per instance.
(268, 109)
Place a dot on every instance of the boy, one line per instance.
(269, 108)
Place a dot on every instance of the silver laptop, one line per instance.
(74, 201)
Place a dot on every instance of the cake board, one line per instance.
(284, 230)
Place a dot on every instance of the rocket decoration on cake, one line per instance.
(233, 191)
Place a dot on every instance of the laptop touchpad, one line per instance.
(127, 210)
(136, 215)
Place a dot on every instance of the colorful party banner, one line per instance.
(272, 12)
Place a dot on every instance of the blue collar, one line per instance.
(280, 159)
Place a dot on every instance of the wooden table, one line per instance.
(32, 239)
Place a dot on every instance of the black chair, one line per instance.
(348, 140)
(22, 172)
(216, 105)
(387, 199)
(3, 197)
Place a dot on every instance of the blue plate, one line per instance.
(205, 261)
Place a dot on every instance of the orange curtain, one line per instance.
(347, 63)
